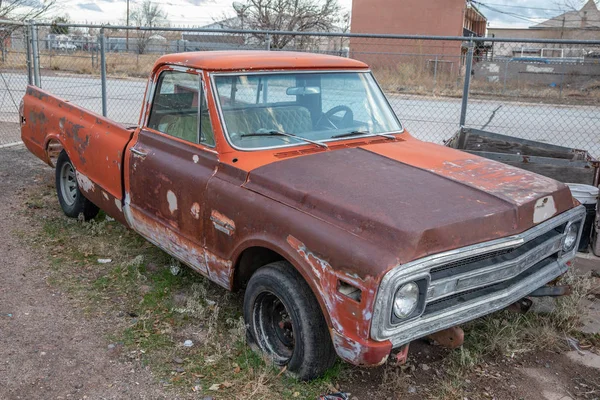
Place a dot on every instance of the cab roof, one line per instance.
(243, 60)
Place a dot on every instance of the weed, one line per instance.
(159, 310)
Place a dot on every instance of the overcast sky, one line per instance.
(524, 13)
(500, 13)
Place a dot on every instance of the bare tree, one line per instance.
(570, 5)
(285, 15)
(151, 15)
(23, 10)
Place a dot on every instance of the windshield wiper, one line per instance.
(279, 133)
(360, 133)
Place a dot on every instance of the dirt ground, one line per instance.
(50, 348)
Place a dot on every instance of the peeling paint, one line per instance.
(196, 159)
(220, 270)
(172, 200)
(347, 316)
(544, 208)
(195, 210)
(105, 195)
(85, 183)
(118, 205)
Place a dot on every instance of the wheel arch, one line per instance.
(53, 147)
(256, 253)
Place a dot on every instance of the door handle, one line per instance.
(138, 152)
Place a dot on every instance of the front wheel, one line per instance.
(71, 200)
(285, 321)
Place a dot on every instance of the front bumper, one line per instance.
(471, 282)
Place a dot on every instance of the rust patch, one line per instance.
(355, 352)
(348, 317)
(164, 237)
(220, 270)
(451, 338)
(222, 223)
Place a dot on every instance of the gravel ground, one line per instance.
(48, 349)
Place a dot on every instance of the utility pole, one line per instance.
(127, 30)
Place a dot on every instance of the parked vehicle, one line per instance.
(66, 46)
(289, 175)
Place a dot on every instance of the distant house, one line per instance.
(226, 40)
(583, 24)
(198, 41)
(414, 17)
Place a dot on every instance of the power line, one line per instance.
(536, 19)
(510, 14)
(522, 7)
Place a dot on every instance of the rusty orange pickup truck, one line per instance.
(288, 175)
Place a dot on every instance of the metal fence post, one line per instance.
(36, 56)
(103, 69)
(268, 41)
(469, 69)
(28, 49)
(435, 73)
(505, 75)
(562, 82)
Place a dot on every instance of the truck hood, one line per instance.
(413, 198)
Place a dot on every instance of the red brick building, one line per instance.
(414, 17)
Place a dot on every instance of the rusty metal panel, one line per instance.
(257, 60)
(557, 162)
(406, 199)
(94, 144)
(166, 187)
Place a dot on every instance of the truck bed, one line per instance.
(95, 144)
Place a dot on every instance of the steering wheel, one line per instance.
(346, 120)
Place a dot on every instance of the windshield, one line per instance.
(282, 109)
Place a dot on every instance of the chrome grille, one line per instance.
(473, 294)
(473, 281)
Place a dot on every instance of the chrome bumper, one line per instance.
(470, 282)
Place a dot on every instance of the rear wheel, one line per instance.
(70, 198)
(285, 321)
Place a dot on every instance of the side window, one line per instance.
(207, 136)
(175, 105)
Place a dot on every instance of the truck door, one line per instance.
(170, 162)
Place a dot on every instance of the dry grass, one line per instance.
(159, 310)
(150, 312)
(417, 78)
(412, 76)
(117, 64)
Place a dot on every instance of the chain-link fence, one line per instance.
(540, 89)
(13, 80)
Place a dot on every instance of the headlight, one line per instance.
(570, 239)
(406, 300)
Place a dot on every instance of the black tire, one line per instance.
(278, 298)
(70, 198)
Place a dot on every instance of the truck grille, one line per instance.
(473, 281)
(488, 269)
(474, 294)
